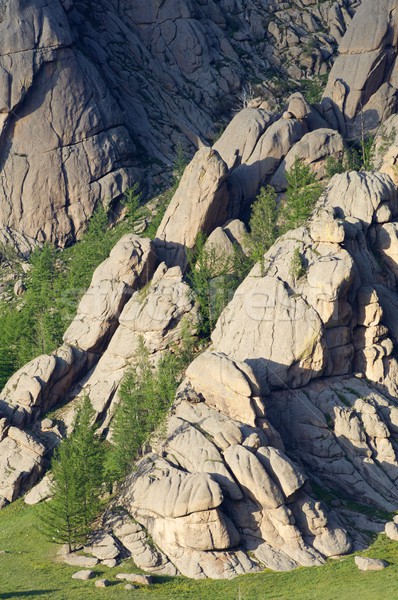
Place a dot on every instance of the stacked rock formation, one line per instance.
(297, 388)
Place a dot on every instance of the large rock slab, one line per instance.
(199, 205)
(130, 265)
(313, 149)
(169, 492)
(362, 87)
(238, 141)
(228, 386)
(263, 313)
(63, 130)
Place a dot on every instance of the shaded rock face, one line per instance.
(84, 88)
(362, 90)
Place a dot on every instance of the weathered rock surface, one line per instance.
(130, 266)
(21, 461)
(40, 384)
(362, 88)
(102, 546)
(157, 315)
(77, 114)
(313, 149)
(201, 202)
(41, 491)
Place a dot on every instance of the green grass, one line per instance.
(27, 570)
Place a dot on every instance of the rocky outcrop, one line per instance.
(21, 461)
(220, 489)
(78, 113)
(40, 385)
(201, 202)
(362, 90)
(297, 389)
(155, 315)
(130, 266)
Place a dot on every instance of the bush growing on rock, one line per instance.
(214, 279)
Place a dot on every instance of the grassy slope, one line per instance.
(27, 570)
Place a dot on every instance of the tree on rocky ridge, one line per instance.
(77, 468)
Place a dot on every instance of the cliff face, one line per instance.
(90, 91)
(299, 384)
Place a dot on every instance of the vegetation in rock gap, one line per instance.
(132, 202)
(263, 225)
(301, 195)
(359, 157)
(312, 89)
(77, 468)
(214, 277)
(268, 219)
(297, 267)
(146, 393)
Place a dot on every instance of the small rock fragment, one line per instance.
(83, 575)
(370, 564)
(110, 562)
(391, 531)
(135, 578)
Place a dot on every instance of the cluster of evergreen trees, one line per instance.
(78, 472)
(54, 285)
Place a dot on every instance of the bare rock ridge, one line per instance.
(299, 384)
(90, 90)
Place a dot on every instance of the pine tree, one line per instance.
(297, 267)
(213, 278)
(146, 393)
(302, 192)
(77, 469)
(263, 225)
